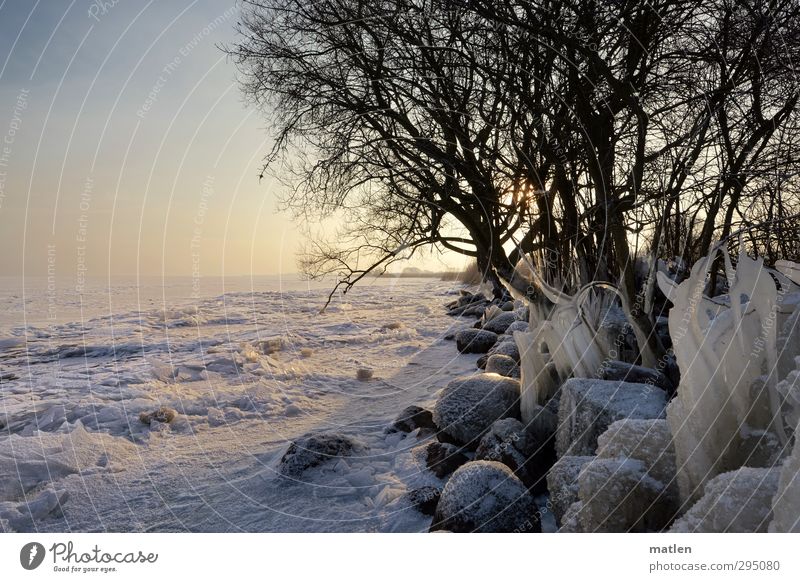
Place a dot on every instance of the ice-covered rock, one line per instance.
(738, 501)
(316, 449)
(424, 499)
(623, 371)
(508, 442)
(503, 365)
(485, 497)
(588, 407)
(412, 418)
(646, 440)
(517, 326)
(617, 495)
(722, 346)
(569, 339)
(570, 522)
(364, 374)
(562, 483)
(500, 322)
(505, 346)
(163, 414)
(443, 458)
(475, 341)
(469, 405)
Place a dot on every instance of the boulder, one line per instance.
(500, 322)
(570, 522)
(507, 306)
(475, 341)
(469, 405)
(562, 484)
(485, 497)
(647, 440)
(505, 346)
(412, 418)
(509, 442)
(587, 407)
(164, 415)
(503, 365)
(617, 495)
(476, 310)
(739, 501)
(424, 499)
(443, 458)
(313, 450)
(465, 298)
(517, 326)
(623, 371)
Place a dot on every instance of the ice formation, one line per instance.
(738, 501)
(728, 351)
(566, 341)
(589, 406)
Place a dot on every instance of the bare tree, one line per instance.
(395, 115)
(572, 132)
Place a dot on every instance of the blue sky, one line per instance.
(128, 148)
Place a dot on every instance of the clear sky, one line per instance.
(125, 146)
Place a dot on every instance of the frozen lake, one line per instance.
(249, 365)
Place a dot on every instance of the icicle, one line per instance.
(722, 346)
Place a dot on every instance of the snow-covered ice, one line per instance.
(247, 372)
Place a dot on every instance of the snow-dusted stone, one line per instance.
(617, 495)
(443, 458)
(509, 443)
(469, 405)
(500, 322)
(562, 483)
(316, 449)
(485, 497)
(364, 374)
(475, 341)
(424, 499)
(476, 310)
(647, 440)
(163, 415)
(517, 326)
(623, 371)
(505, 346)
(412, 418)
(570, 522)
(465, 303)
(503, 365)
(738, 501)
(588, 406)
